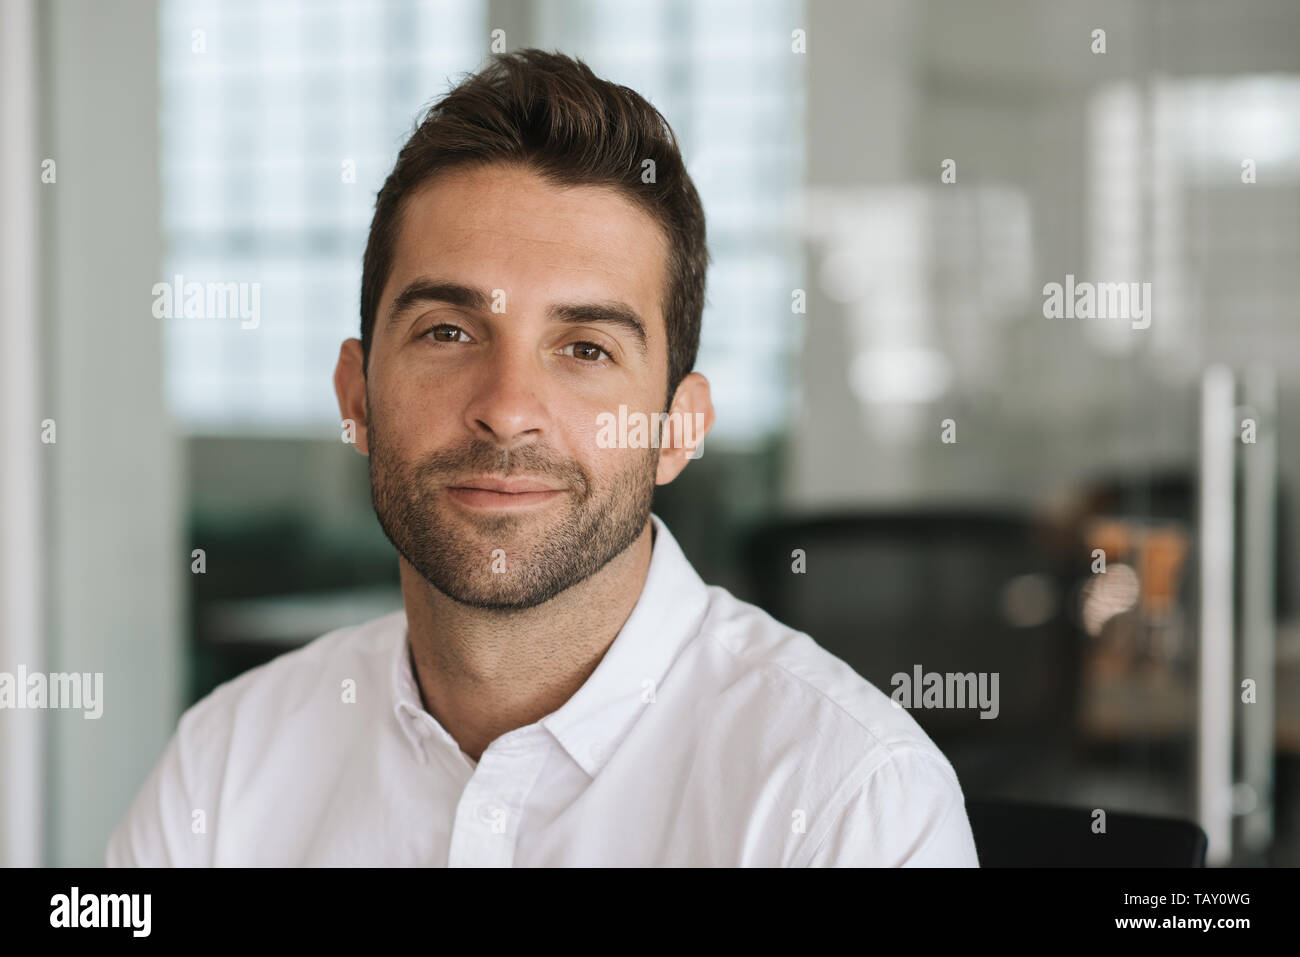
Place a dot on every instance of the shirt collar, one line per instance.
(416, 723)
(668, 613)
(596, 719)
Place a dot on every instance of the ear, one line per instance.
(350, 387)
(689, 421)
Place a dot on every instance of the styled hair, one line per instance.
(551, 114)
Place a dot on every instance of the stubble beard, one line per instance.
(506, 561)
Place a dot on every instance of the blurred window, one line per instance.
(1193, 188)
(269, 109)
(279, 123)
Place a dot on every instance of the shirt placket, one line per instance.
(486, 829)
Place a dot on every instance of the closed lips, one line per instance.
(506, 486)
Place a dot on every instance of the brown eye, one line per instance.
(446, 333)
(587, 351)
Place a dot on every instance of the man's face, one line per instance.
(482, 404)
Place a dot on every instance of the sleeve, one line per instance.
(909, 812)
(160, 829)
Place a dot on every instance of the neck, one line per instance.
(483, 673)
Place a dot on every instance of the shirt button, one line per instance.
(597, 752)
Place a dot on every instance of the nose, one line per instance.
(506, 399)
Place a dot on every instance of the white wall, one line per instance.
(22, 771)
(114, 508)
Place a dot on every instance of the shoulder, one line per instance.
(861, 759)
(304, 679)
(301, 702)
(259, 719)
(786, 673)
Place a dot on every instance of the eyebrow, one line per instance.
(606, 312)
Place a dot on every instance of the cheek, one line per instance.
(413, 420)
(584, 434)
(573, 436)
(579, 422)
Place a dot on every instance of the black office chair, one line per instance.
(1024, 834)
(889, 589)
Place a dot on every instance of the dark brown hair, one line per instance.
(552, 114)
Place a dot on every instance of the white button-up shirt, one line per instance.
(708, 735)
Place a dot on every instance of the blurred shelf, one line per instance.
(291, 621)
(1136, 707)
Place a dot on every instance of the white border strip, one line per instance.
(22, 764)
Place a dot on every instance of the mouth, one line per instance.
(498, 493)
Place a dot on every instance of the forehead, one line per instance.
(504, 227)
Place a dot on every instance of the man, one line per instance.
(561, 687)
